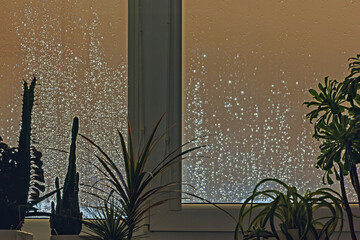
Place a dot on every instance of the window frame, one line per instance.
(148, 103)
(157, 88)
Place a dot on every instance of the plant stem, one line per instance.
(355, 181)
(347, 206)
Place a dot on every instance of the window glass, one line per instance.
(78, 51)
(247, 69)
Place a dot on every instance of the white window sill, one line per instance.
(207, 218)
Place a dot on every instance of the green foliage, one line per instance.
(107, 222)
(337, 115)
(339, 133)
(133, 189)
(291, 209)
(21, 174)
(257, 233)
(66, 218)
(328, 102)
(337, 123)
(341, 145)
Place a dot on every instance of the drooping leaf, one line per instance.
(135, 188)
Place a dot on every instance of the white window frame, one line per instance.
(155, 87)
(154, 61)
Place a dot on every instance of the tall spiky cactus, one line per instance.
(20, 169)
(23, 154)
(67, 216)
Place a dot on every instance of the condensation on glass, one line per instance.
(247, 68)
(78, 51)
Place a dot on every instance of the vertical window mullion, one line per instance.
(155, 78)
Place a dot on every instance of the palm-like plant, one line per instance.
(328, 102)
(291, 209)
(337, 126)
(341, 145)
(133, 189)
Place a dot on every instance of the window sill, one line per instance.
(207, 218)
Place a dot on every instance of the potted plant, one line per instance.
(337, 127)
(132, 190)
(66, 218)
(295, 213)
(21, 174)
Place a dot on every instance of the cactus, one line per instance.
(66, 218)
(20, 169)
(24, 142)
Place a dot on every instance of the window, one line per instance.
(248, 66)
(78, 51)
(293, 44)
(72, 43)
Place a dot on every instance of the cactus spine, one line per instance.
(67, 216)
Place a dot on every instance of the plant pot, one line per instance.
(15, 235)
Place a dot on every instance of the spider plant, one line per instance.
(135, 187)
(292, 210)
(107, 222)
